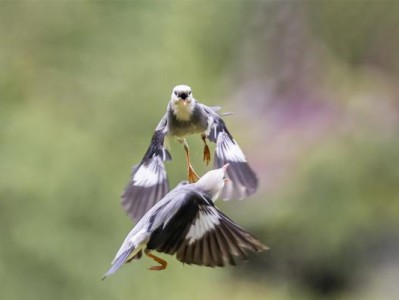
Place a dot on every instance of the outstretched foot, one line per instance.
(192, 175)
(158, 268)
(207, 154)
(162, 263)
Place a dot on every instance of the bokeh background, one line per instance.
(315, 95)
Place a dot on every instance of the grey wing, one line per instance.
(149, 182)
(243, 180)
(200, 234)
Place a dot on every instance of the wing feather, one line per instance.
(243, 180)
(200, 234)
(149, 182)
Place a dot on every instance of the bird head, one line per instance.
(181, 95)
(213, 182)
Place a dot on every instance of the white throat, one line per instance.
(183, 112)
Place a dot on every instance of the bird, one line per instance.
(186, 223)
(186, 116)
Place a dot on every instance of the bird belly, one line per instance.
(179, 128)
(184, 130)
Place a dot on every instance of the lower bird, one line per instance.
(186, 223)
(185, 116)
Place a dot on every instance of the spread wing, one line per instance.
(243, 180)
(198, 233)
(149, 182)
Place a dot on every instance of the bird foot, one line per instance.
(207, 155)
(162, 263)
(192, 175)
(157, 268)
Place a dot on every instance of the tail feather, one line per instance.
(117, 263)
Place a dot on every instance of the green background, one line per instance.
(314, 90)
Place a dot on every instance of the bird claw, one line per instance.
(192, 175)
(157, 268)
(207, 155)
(162, 263)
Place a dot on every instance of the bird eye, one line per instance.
(175, 92)
(189, 92)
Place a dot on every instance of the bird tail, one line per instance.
(117, 263)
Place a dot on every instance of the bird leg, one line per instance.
(207, 153)
(192, 175)
(162, 263)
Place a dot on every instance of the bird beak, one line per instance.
(184, 102)
(226, 180)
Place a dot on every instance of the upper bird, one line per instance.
(186, 116)
(186, 222)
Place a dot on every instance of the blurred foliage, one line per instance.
(83, 85)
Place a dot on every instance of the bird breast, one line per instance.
(197, 123)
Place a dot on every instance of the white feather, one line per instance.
(211, 125)
(206, 221)
(183, 112)
(149, 175)
(228, 149)
(135, 241)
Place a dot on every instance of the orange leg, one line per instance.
(192, 175)
(162, 263)
(207, 153)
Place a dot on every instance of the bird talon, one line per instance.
(192, 175)
(157, 268)
(162, 263)
(207, 155)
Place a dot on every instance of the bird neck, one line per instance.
(183, 112)
(210, 186)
